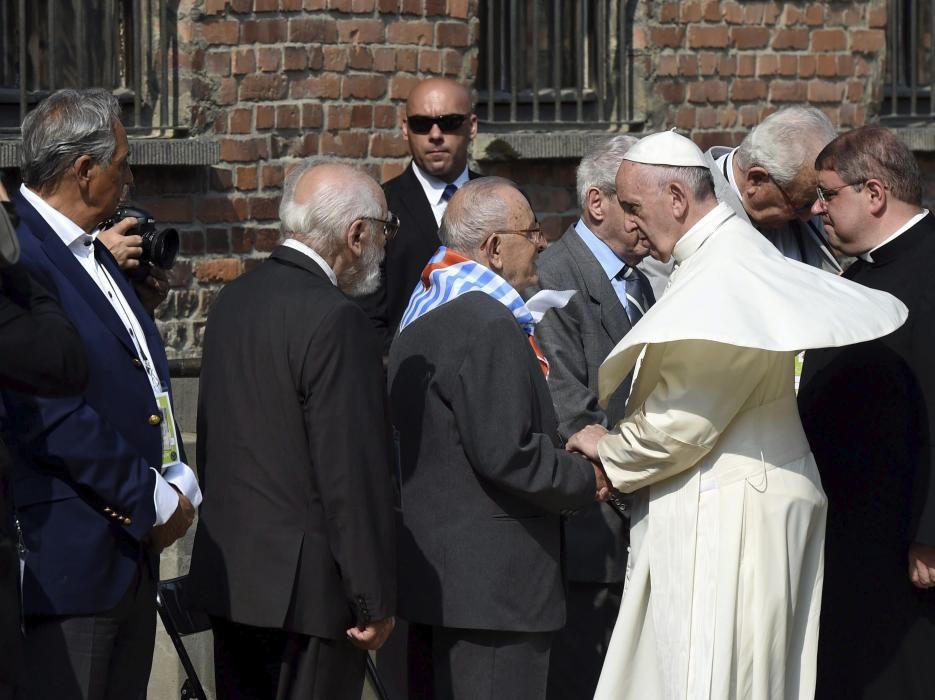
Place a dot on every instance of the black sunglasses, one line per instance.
(448, 123)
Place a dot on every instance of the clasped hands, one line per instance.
(584, 442)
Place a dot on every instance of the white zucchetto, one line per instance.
(666, 148)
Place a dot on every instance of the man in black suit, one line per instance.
(293, 557)
(100, 480)
(440, 125)
(483, 476)
(40, 353)
(869, 414)
(597, 257)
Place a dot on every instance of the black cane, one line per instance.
(375, 679)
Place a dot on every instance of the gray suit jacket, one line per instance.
(576, 339)
(809, 235)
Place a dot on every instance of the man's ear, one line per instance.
(678, 196)
(405, 127)
(755, 178)
(876, 192)
(473, 130)
(595, 205)
(493, 249)
(354, 237)
(82, 168)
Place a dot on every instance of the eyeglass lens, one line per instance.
(448, 123)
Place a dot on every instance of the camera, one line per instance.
(160, 248)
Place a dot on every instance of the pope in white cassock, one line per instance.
(724, 585)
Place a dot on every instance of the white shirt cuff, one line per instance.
(165, 498)
(183, 478)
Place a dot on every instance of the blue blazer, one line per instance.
(82, 479)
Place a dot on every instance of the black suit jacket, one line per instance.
(40, 353)
(483, 478)
(296, 529)
(869, 414)
(406, 255)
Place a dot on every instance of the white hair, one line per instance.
(475, 211)
(598, 169)
(322, 221)
(785, 142)
(696, 180)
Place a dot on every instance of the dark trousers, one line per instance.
(94, 657)
(459, 664)
(579, 648)
(259, 663)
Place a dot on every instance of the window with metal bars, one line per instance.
(126, 46)
(555, 63)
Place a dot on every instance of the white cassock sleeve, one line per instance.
(701, 386)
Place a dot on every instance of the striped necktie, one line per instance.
(449, 192)
(637, 301)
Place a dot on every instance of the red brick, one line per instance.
(829, 40)
(316, 57)
(733, 13)
(685, 118)
(669, 13)
(846, 65)
(458, 8)
(234, 150)
(867, 41)
(453, 62)
(855, 90)
(435, 8)
(707, 63)
(815, 15)
(318, 30)
(287, 117)
(265, 116)
(384, 117)
(787, 91)
(221, 31)
(338, 116)
(362, 5)
(788, 65)
(386, 146)
(314, 4)
(390, 170)
(667, 65)
(746, 66)
(246, 179)
(351, 144)
(364, 31)
(876, 17)
(241, 239)
(790, 39)
(220, 179)
(726, 117)
(212, 210)
(264, 208)
(791, 15)
(688, 65)
(368, 87)
(749, 37)
(241, 6)
(748, 90)
(271, 175)
(257, 87)
(191, 242)
(265, 239)
(827, 66)
(269, 59)
(227, 92)
(263, 31)
(715, 90)
(384, 59)
(215, 7)
(707, 37)
(807, 66)
(411, 7)
(407, 60)
(268, 5)
(361, 116)
(666, 37)
(409, 32)
(691, 12)
(452, 34)
(401, 85)
(218, 62)
(727, 65)
(671, 91)
(360, 58)
(747, 116)
(430, 61)
(312, 116)
(335, 58)
(753, 13)
(244, 61)
(706, 118)
(241, 121)
(712, 11)
(824, 91)
(295, 58)
(218, 270)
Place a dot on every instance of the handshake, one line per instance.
(584, 442)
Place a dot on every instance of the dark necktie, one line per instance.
(638, 301)
(449, 192)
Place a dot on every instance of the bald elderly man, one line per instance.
(440, 125)
(294, 559)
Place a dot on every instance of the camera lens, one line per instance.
(161, 247)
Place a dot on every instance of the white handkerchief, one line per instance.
(547, 299)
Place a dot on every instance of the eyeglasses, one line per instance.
(533, 235)
(826, 194)
(448, 123)
(797, 210)
(390, 226)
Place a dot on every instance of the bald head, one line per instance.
(321, 200)
(440, 146)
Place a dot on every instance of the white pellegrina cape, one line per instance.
(727, 536)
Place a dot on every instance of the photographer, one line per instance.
(102, 484)
(150, 282)
(40, 353)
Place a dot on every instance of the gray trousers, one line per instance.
(460, 664)
(94, 657)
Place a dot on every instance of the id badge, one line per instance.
(170, 439)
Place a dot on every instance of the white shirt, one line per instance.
(435, 188)
(868, 257)
(165, 498)
(320, 261)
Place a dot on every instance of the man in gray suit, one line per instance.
(769, 179)
(597, 257)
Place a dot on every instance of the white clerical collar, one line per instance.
(433, 187)
(868, 256)
(700, 232)
(305, 250)
(72, 235)
(726, 163)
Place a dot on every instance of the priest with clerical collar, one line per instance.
(724, 588)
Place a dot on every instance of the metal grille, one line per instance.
(555, 63)
(910, 61)
(127, 46)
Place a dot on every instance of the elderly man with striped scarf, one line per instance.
(483, 479)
